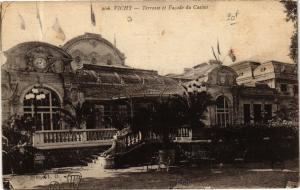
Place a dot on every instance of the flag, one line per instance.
(22, 22)
(218, 47)
(231, 54)
(214, 53)
(39, 17)
(93, 19)
(59, 31)
(115, 42)
(115, 49)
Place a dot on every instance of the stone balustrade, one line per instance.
(56, 139)
(78, 138)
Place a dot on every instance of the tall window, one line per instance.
(43, 106)
(268, 112)
(283, 87)
(257, 113)
(222, 111)
(99, 116)
(295, 89)
(247, 114)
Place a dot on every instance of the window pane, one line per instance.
(99, 116)
(295, 89)
(55, 100)
(46, 121)
(56, 123)
(257, 113)
(222, 109)
(38, 122)
(26, 109)
(247, 117)
(44, 108)
(268, 112)
(283, 87)
(220, 102)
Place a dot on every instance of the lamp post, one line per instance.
(34, 96)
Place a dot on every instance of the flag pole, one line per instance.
(2, 14)
(115, 48)
(93, 18)
(213, 51)
(218, 48)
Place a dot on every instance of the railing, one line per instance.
(127, 140)
(130, 139)
(72, 138)
(184, 132)
(184, 135)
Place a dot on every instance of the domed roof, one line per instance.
(93, 49)
(21, 56)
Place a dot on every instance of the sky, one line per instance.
(164, 40)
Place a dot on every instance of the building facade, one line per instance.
(39, 79)
(244, 93)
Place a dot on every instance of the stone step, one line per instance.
(90, 164)
(95, 165)
(100, 153)
(94, 156)
(99, 157)
(83, 162)
(99, 161)
(87, 160)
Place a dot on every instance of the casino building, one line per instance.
(39, 79)
(246, 92)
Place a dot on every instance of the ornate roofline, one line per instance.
(105, 67)
(93, 36)
(244, 63)
(38, 43)
(224, 67)
(278, 62)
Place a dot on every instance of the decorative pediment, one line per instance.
(37, 57)
(223, 76)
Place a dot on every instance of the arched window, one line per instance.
(222, 112)
(42, 105)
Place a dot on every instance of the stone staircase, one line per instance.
(96, 162)
(128, 145)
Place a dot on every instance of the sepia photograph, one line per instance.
(199, 94)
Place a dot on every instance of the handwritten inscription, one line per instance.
(232, 17)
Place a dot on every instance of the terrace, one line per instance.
(77, 138)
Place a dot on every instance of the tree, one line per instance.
(173, 112)
(287, 114)
(192, 106)
(120, 120)
(163, 117)
(291, 15)
(79, 115)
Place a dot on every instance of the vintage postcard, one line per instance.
(149, 94)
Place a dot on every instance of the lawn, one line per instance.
(249, 175)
